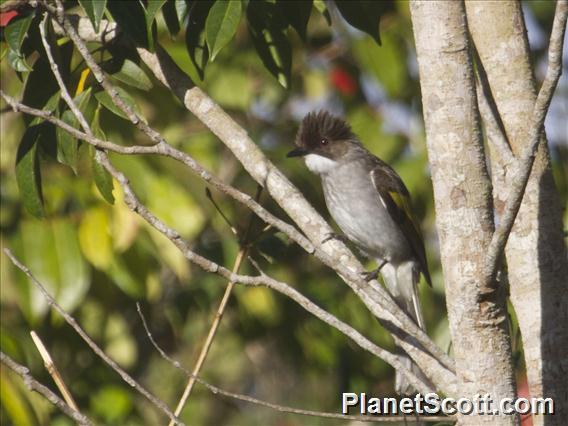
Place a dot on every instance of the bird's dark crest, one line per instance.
(318, 125)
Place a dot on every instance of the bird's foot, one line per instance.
(372, 275)
(335, 236)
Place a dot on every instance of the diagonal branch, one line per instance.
(494, 128)
(278, 407)
(244, 243)
(136, 206)
(36, 386)
(526, 161)
(96, 349)
(53, 371)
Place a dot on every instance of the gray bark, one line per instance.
(535, 252)
(464, 211)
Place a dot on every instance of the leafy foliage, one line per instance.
(268, 62)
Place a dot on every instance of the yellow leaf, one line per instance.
(125, 224)
(94, 237)
(82, 80)
(259, 302)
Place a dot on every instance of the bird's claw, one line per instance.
(372, 275)
(334, 236)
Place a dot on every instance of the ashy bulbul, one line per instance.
(371, 205)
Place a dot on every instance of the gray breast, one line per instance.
(356, 207)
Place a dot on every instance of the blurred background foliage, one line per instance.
(268, 64)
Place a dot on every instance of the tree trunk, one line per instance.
(535, 252)
(464, 211)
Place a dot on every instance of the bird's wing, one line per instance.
(396, 199)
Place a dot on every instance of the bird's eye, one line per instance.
(324, 141)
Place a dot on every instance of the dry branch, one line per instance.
(127, 378)
(36, 386)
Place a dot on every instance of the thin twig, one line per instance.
(100, 76)
(55, 70)
(526, 161)
(220, 211)
(53, 371)
(47, 393)
(220, 310)
(282, 408)
(96, 349)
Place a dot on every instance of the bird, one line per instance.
(371, 205)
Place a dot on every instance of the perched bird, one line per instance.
(371, 205)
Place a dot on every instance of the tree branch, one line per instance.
(278, 407)
(36, 386)
(494, 129)
(53, 371)
(127, 378)
(94, 347)
(526, 161)
(244, 247)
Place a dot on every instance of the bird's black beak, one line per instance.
(298, 152)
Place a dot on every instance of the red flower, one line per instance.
(343, 81)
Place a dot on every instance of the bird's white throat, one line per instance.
(319, 164)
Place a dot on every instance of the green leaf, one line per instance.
(268, 34)
(222, 86)
(195, 35)
(14, 402)
(112, 404)
(50, 106)
(133, 75)
(83, 102)
(14, 34)
(28, 175)
(67, 145)
(125, 278)
(182, 10)
(321, 7)
(297, 13)
(105, 99)
(40, 86)
(364, 14)
(73, 272)
(103, 179)
(152, 8)
(94, 10)
(171, 18)
(221, 24)
(131, 18)
(16, 31)
(18, 62)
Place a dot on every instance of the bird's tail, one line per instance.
(402, 283)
